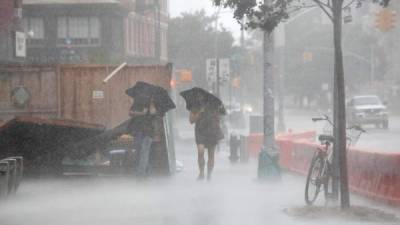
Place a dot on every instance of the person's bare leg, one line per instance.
(201, 161)
(210, 162)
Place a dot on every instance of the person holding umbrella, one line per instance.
(205, 110)
(150, 103)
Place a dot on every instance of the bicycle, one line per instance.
(320, 173)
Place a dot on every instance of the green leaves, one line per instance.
(255, 14)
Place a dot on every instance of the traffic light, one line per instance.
(307, 57)
(236, 82)
(385, 20)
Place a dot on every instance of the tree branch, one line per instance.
(327, 4)
(297, 8)
(349, 4)
(322, 6)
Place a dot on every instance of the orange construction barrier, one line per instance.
(254, 141)
(375, 175)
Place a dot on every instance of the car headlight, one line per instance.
(359, 113)
(383, 113)
(248, 108)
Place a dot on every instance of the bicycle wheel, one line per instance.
(314, 179)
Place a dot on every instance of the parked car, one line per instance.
(367, 109)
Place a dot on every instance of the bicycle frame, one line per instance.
(324, 155)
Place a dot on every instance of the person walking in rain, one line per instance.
(207, 135)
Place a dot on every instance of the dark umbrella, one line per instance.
(142, 90)
(198, 97)
(162, 100)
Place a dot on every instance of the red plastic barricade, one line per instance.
(375, 175)
(254, 142)
(286, 151)
(308, 135)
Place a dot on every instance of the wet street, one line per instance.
(375, 139)
(96, 93)
(234, 196)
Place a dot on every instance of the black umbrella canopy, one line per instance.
(141, 89)
(162, 100)
(144, 91)
(198, 97)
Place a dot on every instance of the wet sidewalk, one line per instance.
(233, 197)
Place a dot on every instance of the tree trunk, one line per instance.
(340, 138)
(335, 154)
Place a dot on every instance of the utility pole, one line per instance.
(268, 166)
(268, 94)
(280, 46)
(240, 94)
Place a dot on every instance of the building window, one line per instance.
(34, 28)
(78, 31)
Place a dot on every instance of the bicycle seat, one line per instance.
(324, 137)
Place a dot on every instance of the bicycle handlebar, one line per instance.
(356, 127)
(326, 118)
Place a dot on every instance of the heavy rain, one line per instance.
(211, 112)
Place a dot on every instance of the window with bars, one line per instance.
(140, 36)
(34, 27)
(78, 31)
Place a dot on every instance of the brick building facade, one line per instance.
(95, 31)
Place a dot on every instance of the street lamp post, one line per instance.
(216, 54)
(280, 33)
(280, 47)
